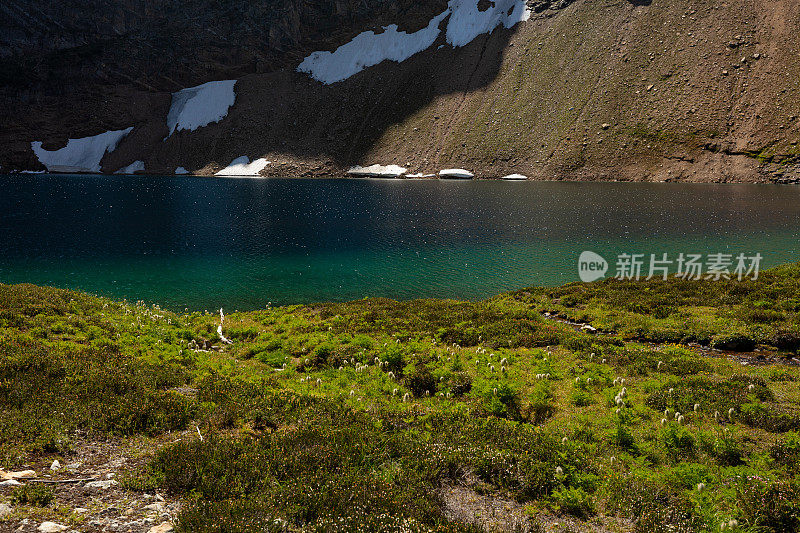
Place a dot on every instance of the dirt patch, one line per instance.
(492, 514)
(87, 494)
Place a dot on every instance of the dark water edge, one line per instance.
(202, 243)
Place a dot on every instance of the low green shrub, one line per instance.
(35, 494)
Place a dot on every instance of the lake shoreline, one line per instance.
(740, 169)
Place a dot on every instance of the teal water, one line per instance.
(203, 243)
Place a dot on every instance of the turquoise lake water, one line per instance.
(205, 243)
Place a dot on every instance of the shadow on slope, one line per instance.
(290, 113)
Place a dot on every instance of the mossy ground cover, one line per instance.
(354, 416)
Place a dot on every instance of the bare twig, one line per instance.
(62, 480)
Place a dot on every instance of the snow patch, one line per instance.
(467, 22)
(200, 106)
(514, 177)
(367, 49)
(458, 173)
(180, 171)
(378, 171)
(241, 166)
(420, 175)
(80, 155)
(136, 166)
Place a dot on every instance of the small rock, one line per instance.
(110, 475)
(51, 527)
(605, 125)
(159, 498)
(55, 466)
(756, 56)
(22, 474)
(158, 507)
(724, 72)
(107, 484)
(164, 527)
(80, 510)
(5, 510)
(650, 87)
(10, 483)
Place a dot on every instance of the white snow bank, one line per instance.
(200, 106)
(181, 171)
(466, 22)
(367, 49)
(241, 166)
(378, 171)
(80, 155)
(459, 173)
(132, 168)
(514, 177)
(420, 175)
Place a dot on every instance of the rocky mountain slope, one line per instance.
(613, 89)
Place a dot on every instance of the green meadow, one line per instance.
(679, 413)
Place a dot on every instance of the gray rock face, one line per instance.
(170, 44)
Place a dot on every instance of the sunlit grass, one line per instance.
(357, 414)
